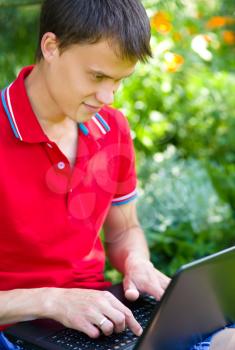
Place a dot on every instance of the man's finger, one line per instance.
(86, 327)
(131, 292)
(130, 320)
(164, 280)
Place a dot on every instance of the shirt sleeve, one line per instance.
(127, 181)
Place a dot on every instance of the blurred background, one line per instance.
(181, 109)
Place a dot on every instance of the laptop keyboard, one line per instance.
(73, 340)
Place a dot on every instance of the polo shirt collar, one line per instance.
(24, 123)
(21, 117)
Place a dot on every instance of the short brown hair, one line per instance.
(124, 22)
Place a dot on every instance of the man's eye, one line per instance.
(99, 77)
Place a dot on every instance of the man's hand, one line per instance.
(141, 276)
(90, 311)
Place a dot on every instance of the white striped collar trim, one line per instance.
(100, 123)
(6, 102)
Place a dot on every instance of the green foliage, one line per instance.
(183, 100)
(18, 40)
(13, 3)
(181, 213)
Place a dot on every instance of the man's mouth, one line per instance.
(92, 108)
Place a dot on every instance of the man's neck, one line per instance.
(42, 103)
(59, 129)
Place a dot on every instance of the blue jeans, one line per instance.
(5, 344)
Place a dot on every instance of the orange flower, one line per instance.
(173, 61)
(229, 37)
(160, 21)
(219, 21)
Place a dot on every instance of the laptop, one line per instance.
(199, 300)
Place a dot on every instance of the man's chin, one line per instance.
(82, 117)
(85, 118)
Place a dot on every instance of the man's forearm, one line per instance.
(129, 244)
(22, 304)
(128, 252)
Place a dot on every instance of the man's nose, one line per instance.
(105, 96)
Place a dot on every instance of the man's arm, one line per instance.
(85, 310)
(128, 252)
(22, 305)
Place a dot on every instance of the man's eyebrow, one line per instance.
(107, 76)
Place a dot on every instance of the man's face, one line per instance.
(84, 78)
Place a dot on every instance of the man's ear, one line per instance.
(49, 46)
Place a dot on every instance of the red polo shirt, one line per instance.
(51, 214)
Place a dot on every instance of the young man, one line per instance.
(68, 170)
